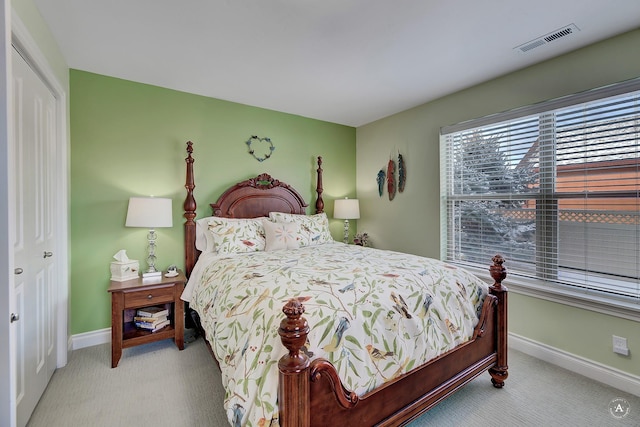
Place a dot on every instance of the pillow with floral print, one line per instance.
(312, 229)
(237, 235)
(281, 235)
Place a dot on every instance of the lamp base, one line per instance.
(346, 231)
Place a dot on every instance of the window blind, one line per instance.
(556, 191)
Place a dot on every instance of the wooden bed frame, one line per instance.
(310, 392)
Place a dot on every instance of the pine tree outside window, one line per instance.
(554, 188)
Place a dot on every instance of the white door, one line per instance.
(34, 109)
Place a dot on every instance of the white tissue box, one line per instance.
(123, 271)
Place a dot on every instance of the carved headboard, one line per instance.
(252, 198)
(257, 197)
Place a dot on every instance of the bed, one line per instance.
(388, 335)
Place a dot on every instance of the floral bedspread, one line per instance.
(374, 314)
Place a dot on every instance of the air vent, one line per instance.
(548, 38)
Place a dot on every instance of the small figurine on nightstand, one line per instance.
(172, 271)
(361, 239)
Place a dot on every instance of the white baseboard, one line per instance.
(588, 368)
(91, 338)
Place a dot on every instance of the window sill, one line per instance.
(535, 288)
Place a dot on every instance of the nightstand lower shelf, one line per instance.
(132, 336)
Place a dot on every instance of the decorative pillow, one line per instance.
(237, 235)
(281, 235)
(313, 229)
(204, 240)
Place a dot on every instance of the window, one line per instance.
(554, 187)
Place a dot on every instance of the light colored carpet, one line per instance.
(157, 385)
(154, 385)
(536, 394)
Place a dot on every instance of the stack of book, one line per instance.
(151, 318)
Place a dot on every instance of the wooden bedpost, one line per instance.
(499, 372)
(319, 189)
(293, 389)
(190, 252)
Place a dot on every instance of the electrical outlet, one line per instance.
(620, 345)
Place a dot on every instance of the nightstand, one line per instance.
(128, 296)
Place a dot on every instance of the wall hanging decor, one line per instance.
(263, 145)
(381, 179)
(388, 175)
(402, 173)
(391, 179)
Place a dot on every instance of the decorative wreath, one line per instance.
(252, 151)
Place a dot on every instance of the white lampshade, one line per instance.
(149, 212)
(346, 209)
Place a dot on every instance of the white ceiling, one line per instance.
(343, 61)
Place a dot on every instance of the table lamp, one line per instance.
(346, 209)
(151, 213)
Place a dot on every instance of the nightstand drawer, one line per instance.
(148, 297)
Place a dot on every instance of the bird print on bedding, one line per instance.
(373, 314)
(333, 345)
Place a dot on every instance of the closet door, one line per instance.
(35, 237)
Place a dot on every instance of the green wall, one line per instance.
(411, 222)
(129, 139)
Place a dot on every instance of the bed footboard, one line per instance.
(293, 391)
(499, 372)
(311, 394)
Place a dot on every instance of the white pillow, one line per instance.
(237, 235)
(280, 235)
(313, 229)
(204, 239)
